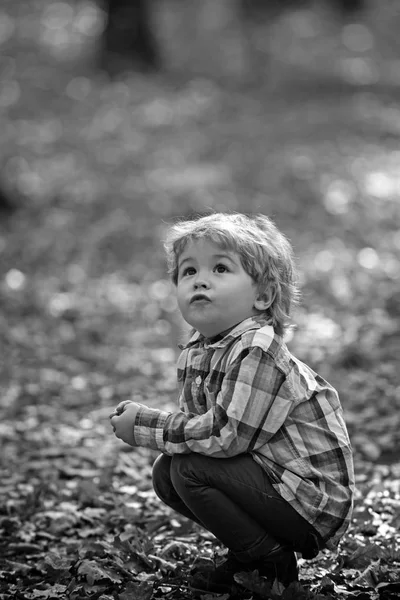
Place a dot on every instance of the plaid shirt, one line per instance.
(247, 393)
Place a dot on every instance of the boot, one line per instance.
(279, 564)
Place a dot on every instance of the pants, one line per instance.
(234, 499)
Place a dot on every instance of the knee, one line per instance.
(186, 467)
(161, 476)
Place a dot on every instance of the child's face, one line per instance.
(213, 289)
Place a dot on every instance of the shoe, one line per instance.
(279, 564)
(220, 579)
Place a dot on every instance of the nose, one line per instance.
(201, 283)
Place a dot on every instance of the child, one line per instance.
(258, 452)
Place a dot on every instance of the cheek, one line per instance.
(180, 299)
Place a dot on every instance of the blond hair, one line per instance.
(265, 253)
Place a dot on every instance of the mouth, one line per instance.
(199, 298)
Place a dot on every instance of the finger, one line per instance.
(121, 406)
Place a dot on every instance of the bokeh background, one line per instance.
(292, 112)
(109, 131)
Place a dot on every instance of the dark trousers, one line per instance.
(234, 499)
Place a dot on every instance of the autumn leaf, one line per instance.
(370, 576)
(254, 582)
(54, 591)
(94, 572)
(57, 562)
(363, 555)
(138, 591)
(176, 549)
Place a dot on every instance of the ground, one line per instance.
(97, 167)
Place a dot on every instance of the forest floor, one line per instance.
(98, 167)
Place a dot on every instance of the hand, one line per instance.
(118, 410)
(124, 423)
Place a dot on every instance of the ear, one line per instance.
(264, 301)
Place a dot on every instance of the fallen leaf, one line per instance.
(137, 591)
(363, 556)
(94, 572)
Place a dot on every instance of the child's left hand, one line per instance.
(123, 423)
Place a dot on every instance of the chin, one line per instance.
(207, 332)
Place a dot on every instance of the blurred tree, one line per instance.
(128, 39)
(349, 7)
(343, 7)
(7, 206)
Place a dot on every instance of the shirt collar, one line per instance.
(223, 339)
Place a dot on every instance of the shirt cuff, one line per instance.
(148, 430)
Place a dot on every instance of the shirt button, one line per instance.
(198, 380)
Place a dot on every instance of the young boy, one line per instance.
(258, 452)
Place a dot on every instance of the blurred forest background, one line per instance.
(286, 108)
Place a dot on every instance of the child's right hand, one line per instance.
(119, 409)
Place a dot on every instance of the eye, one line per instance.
(220, 268)
(188, 271)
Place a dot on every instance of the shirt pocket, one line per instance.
(198, 394)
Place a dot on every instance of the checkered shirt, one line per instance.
(246, 393)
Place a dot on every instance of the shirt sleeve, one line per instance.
(248, 410)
